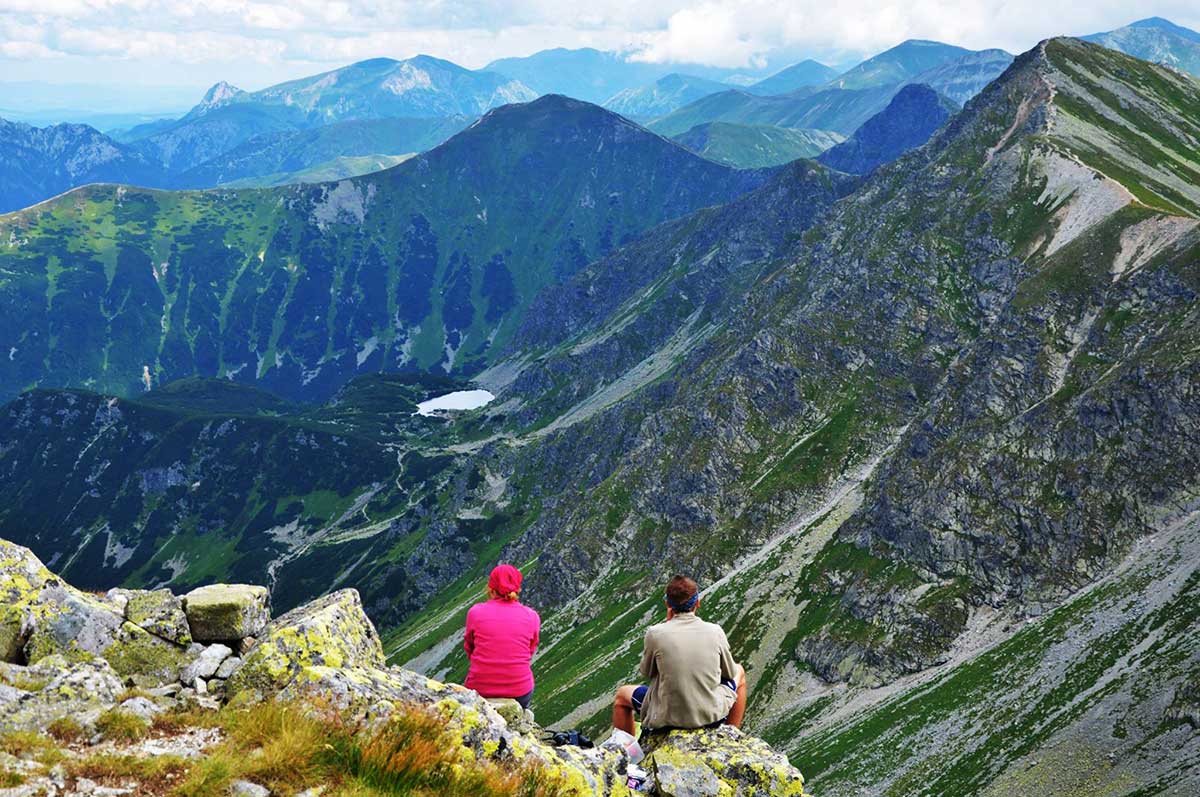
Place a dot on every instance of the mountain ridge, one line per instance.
(435, 277)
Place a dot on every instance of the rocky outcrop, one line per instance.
(321, 656)
(331, 631)
(719, 761)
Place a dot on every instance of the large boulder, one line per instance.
(41, 616)
(722, 761)
(332, 631)
(226, 612)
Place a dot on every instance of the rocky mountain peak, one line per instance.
(221, 93)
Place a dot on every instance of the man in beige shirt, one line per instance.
(693, 679)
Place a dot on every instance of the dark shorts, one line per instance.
(639, 694)
(524, 699)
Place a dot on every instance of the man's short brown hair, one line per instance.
(680, 590)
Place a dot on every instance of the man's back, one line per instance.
(686, 659)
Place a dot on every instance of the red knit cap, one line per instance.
(505, 580)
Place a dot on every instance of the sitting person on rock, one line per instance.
(501, 638)
(693, 679)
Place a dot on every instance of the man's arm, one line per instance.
(728, 665)
(648, 668)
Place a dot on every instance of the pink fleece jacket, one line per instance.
(500, 641)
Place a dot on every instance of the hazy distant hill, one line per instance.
(797, 76)
(755, 146)
(846, 102)
(382, 88)
(1155, 39)
(39, 162)
(906, 123)
(662, 96)
(297, 151)
(596, 75)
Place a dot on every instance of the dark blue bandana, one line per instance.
(687, 605)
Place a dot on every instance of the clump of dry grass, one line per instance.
(152, 770)
(178, 720)
(414, 754)
(288, 749)
(10, 779)
(67, 730)
(122, 726)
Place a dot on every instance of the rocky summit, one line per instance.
(75, 670)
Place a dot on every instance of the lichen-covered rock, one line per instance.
(43, 617)
(142, 707)
(719, 762)
(160, 612)
(70, 623)
(245, 788)
(57, 687)
(15, 627)
(518, 719)
(146, 659)
(332, 631)
(226, 612)
(372, 695)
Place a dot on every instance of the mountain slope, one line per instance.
(962, 78)
(1155, 39)
(797, 76)
(381, 88)
(421, 86)
(339, 168)
(898, 64)
(36, 163)
(428, 265)
(844, 104)
(288, 152)
(906, 123)
(183, 492)
(662, 96)
(195, 139)
(754, 146)
(961, 397)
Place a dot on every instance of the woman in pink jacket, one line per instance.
(501, 638)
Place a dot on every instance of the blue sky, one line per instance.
(145, 53)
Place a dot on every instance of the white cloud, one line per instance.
(256, 42)
(740, 32)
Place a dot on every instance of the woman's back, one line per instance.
(501, 638)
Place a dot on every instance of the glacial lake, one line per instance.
(458, 400)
